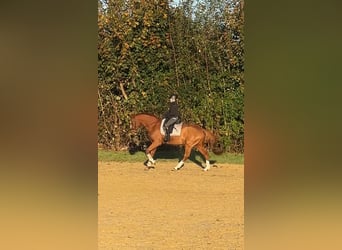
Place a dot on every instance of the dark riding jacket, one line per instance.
(173, 111)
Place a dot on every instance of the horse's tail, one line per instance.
(213, 142)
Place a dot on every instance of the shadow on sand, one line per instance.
(166, 151)
(177, 152)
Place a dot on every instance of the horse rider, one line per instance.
(171, 117)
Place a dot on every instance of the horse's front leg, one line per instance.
(150, 163)
(150, 151)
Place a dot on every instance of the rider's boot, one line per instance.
(167, 135)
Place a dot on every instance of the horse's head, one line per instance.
(133, 127)
(136, 143)
(135, 124)
(213, 143)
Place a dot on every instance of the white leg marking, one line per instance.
(207, 167)
(179, 165)
(150, 158)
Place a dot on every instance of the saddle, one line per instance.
(176, 128)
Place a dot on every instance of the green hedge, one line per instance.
(147, 51)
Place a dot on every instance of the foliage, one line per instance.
(149, 49)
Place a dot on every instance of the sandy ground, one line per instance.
(164, 209)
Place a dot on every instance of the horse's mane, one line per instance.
(145, 113)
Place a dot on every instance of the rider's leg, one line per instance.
(167, 135)
(168, 128)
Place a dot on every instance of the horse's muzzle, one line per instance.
(132, 148)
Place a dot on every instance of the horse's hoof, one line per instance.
(149, 164)
(205, 169)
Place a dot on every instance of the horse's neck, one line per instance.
(150, 123)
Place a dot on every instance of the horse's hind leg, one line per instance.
(205, 153)
(185, 157)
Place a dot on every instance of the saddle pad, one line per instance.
(177, 128)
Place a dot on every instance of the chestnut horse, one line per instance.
(191, 136)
